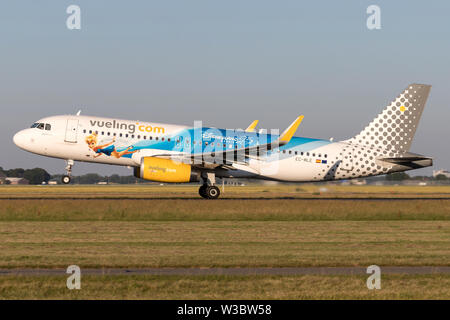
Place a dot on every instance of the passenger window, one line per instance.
(120, 135)
(162, 139)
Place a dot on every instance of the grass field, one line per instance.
(167, 230)
(226, 287)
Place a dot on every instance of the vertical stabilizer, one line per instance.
(394, 128)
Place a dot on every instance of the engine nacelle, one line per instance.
(165, 170)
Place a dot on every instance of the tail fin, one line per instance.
(394, 128)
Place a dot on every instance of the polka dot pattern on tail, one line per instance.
(394, 128)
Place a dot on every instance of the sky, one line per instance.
(226, 63)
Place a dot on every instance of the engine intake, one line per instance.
(165, 170)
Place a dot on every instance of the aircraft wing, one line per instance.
(227, 158)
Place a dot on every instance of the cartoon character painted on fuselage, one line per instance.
(107, 149)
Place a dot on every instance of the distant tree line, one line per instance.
(400, 176)
(39, 175)
(34, 176)
(397, 176)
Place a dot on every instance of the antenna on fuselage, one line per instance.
(79, 112)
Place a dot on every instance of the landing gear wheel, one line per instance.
(66, 179)
(212, 192)
(202, 191)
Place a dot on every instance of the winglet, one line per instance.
(289, 132)
(252, 126)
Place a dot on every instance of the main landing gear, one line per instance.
(208, 190)
(67, 177)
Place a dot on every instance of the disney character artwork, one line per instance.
(107, 149)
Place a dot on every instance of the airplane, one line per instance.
(180, 154)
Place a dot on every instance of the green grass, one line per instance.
(177, 232)
(226, 287)
(224, 210)
(223, 243)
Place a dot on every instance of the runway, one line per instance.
(237, 198)
(410, 270)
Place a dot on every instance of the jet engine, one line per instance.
(166, 170)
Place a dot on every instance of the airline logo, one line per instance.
(131, 127)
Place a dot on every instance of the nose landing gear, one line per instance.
(208, 190)
(66, 179)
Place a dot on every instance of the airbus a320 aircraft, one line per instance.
(172, 153)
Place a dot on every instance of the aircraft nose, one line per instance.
(20, 139)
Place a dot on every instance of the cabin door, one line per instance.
(71, 130)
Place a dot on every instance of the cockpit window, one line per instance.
(42, 126)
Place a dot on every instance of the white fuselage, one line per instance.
(302, 159)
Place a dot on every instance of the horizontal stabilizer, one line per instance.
(410, 161)
(404, 159)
